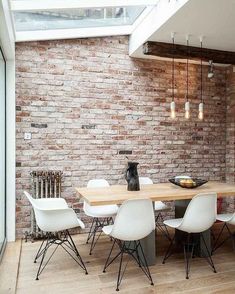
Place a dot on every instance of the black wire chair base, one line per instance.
(96, 230)
(231, 236)
(135, 250)
(189, 252)
(161, 226)
(62, 239)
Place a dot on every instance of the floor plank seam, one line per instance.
(18, 268)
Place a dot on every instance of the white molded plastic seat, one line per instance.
(101, 210)
(173, 223)
(53, 215)
(227, 218)
(128, 225)
(158, 205)
(199, 216)
(107, 229)
(134, 221)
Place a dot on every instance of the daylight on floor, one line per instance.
(117, 146)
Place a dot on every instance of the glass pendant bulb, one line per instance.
(200, 109)
(187, 110)
(173, 110)
(187, 105)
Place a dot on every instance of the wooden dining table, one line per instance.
(117, 194)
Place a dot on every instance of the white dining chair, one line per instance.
(127, 231)
(55, 218)
(199, 216)
(101, 215)
(159, 207)
(227, 219)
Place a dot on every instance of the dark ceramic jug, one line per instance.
(132, 177)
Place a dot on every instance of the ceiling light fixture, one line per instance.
(187, 105)
(200, 108)
(211, 69)
(173, 115)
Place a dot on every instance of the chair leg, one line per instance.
(95, 238)
(188, 254)
(90, 231)
(208, 255)
(119, 279)
(60, 240)
(143, 263)
(231, 235)
(162, 227)
(107, 263)
(96, 230)
(212, 235)
(215, 247)
(77, 253)
(40, 251)
(169, 250)
(41, 266)
(137, 254)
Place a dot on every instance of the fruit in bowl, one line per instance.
(188, 183)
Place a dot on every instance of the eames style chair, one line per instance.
(55, 218)
(127, 231)
(227, 219)
(199, 216)
(101, 215)
(159, 207)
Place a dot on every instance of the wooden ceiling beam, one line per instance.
(167, 50)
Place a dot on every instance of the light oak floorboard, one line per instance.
(63, 276)
(9, 267)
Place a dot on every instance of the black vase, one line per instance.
(132, 177)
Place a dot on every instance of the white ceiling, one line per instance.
(212, 19)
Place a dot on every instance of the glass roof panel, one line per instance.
(76, 18)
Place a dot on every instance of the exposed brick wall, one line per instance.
(95, 101)
(230, 135)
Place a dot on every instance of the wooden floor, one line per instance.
(62, 275)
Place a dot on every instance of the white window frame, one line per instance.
(8, 46)
(25, 5)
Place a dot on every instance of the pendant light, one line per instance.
(211, 69)
(200, 108)
(173, 78)
(187, 105)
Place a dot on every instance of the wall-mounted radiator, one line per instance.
(45, 184)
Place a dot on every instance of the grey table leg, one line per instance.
(180, 207)
(149, 248)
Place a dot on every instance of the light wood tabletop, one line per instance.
(164, 192)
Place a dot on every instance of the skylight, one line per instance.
(76, 18)
(52, 19)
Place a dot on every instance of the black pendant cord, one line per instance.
(201, 73)
(173, 67)
(187, 67)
